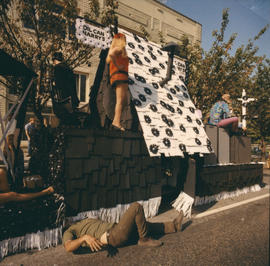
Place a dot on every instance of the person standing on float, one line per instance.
(118, 63)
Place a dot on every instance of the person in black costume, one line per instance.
(64, 94)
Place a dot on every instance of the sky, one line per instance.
(246, 18)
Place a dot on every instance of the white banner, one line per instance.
(168, 117)
(92, 35)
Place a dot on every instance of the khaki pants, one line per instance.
(133, 223)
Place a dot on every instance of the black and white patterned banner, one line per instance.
(167, 115)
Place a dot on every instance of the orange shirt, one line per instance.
(115, 73)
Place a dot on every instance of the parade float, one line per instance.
(166, 152)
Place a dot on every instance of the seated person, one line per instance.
(8, 196)
(95, 234)
(221, 113)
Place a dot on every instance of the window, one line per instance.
(12, 90)
(10, 106)
(81, 86)
(45, 18)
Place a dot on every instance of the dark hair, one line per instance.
(58, 56)
(219, 95)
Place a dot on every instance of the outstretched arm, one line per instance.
(92, 242)
(14, 196)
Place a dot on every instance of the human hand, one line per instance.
(49, 190)
(92, 242)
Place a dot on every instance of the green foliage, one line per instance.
(219, 70)
(108, 16)
(259, 110)
(94, 10)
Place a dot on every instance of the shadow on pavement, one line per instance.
(186, 225)
(202, 208)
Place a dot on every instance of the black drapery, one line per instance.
(12, 67)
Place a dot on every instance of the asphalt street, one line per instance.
(237, 236)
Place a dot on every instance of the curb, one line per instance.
(231, 206)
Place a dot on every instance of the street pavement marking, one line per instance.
(206, 213)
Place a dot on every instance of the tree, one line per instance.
(259, 110)
(106, 16)
(217, 70)
(32, 30)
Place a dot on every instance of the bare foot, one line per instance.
(117, 127)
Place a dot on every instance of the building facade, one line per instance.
(139, 16)
(143, 15)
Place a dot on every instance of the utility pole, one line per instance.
(245, 100)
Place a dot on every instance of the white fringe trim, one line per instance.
(53, 237)
(222, 164)
(183, 203)
(113, 215)
(225, 195)
(39, 240)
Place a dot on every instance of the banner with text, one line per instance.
(92, 35)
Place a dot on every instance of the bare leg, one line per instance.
(121, 101)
